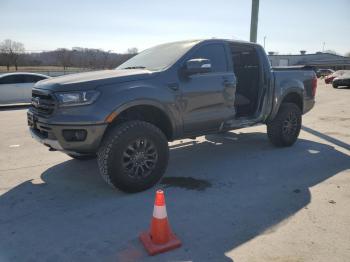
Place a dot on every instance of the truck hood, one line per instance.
(91, 80)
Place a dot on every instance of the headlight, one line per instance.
(77, 98)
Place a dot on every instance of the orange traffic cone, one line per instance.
(160, 238)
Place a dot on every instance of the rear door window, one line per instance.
(12, 79)
(17, 79)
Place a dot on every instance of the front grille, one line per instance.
(43, 103)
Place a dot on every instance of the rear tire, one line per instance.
(133, 156)
(334, 86)
(284, 130)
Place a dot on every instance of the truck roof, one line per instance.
(217, 40)
(235, 41)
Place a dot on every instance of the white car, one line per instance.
(16, 88)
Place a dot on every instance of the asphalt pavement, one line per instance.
(230, 197)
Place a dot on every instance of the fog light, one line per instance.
(74, 135)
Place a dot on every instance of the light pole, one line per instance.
(264, 41)
(254, 21)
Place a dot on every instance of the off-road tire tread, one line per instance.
(111, 138)
(275, 126)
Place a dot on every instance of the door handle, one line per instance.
(174, 86)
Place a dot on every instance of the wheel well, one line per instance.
(147, 113)
(295, 99)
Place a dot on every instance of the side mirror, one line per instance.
(198, 66)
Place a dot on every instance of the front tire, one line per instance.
(284, 130)
(133, 156)
(334, 85)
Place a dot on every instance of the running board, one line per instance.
(237, 123)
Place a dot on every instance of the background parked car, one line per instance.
(324, 72)
(329, 79)
(343, 80)
(16, 88)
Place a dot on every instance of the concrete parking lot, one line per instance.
(230, 197)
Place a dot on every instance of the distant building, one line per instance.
(318, 60)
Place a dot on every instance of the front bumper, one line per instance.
(51, 135)
(54, 144)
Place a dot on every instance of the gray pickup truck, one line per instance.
(186, 89)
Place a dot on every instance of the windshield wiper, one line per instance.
(134, 67)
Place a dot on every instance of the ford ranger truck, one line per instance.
(126, 116)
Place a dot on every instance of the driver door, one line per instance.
(208, 98)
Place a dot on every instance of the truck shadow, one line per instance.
(326, 137)
(14, 107)
(254, 188)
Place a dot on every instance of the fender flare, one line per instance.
(292, 90)
(149, 102)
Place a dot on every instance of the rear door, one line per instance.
(17, 88)
(11, 90)
(208, 98)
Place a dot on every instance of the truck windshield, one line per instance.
(159, 57)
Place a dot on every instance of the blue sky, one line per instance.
(289, 26)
